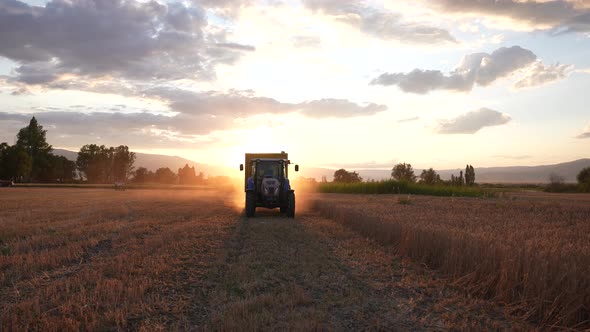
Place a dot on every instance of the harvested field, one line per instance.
(531, 251)
(94, 259)
(88, 259)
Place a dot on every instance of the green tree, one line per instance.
(32, 139)
(345, 176)
(430, 177)
(584, 179)
(403, 172)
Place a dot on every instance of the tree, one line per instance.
(403, 172)
(430, 177)
(94, 162)
(15, 162)
(187, 175)
(32, 139)
(55, 169)
(556, 183)
(584, 179)
(165, 175)
(101, 164)
(142, 175)
(344, 176)
(64, 169)
(3, 153)
(469, 175)
(122, 164)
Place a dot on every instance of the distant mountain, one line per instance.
(528, 174)
(154, 161)
(512, 174)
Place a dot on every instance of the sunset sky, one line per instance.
(356, 84)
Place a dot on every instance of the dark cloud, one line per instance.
(472, 122)
(559, 15)
(120, 38)
(380, 23)
(478, 68)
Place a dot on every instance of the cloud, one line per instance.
(362, 165)
(245, 103)
(142, 130)
(472, 122)
(476, 69)
(558, 15)
(539, 74)
(306, 41)
(128, 39)
(379, 23)
(191, 114)
(337, 108)
(235, 46)
(585, 133)
(412, 119)
(197, 115)
(512, 157)
(21, 91)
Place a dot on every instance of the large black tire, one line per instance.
(250, 204)
(291, 205)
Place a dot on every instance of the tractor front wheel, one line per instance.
(250, 204)
(291, 205)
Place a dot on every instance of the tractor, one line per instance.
(267, 184)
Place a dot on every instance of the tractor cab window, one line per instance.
(269, 169)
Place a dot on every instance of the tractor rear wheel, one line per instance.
(250, 204)
(291, 205)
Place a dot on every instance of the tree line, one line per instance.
(165, 175)
(31, 159)
(405, 172)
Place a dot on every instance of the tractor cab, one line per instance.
(267, 183)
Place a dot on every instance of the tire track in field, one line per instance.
(312, 273)
(277, 275)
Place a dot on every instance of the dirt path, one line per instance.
(312, 273)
